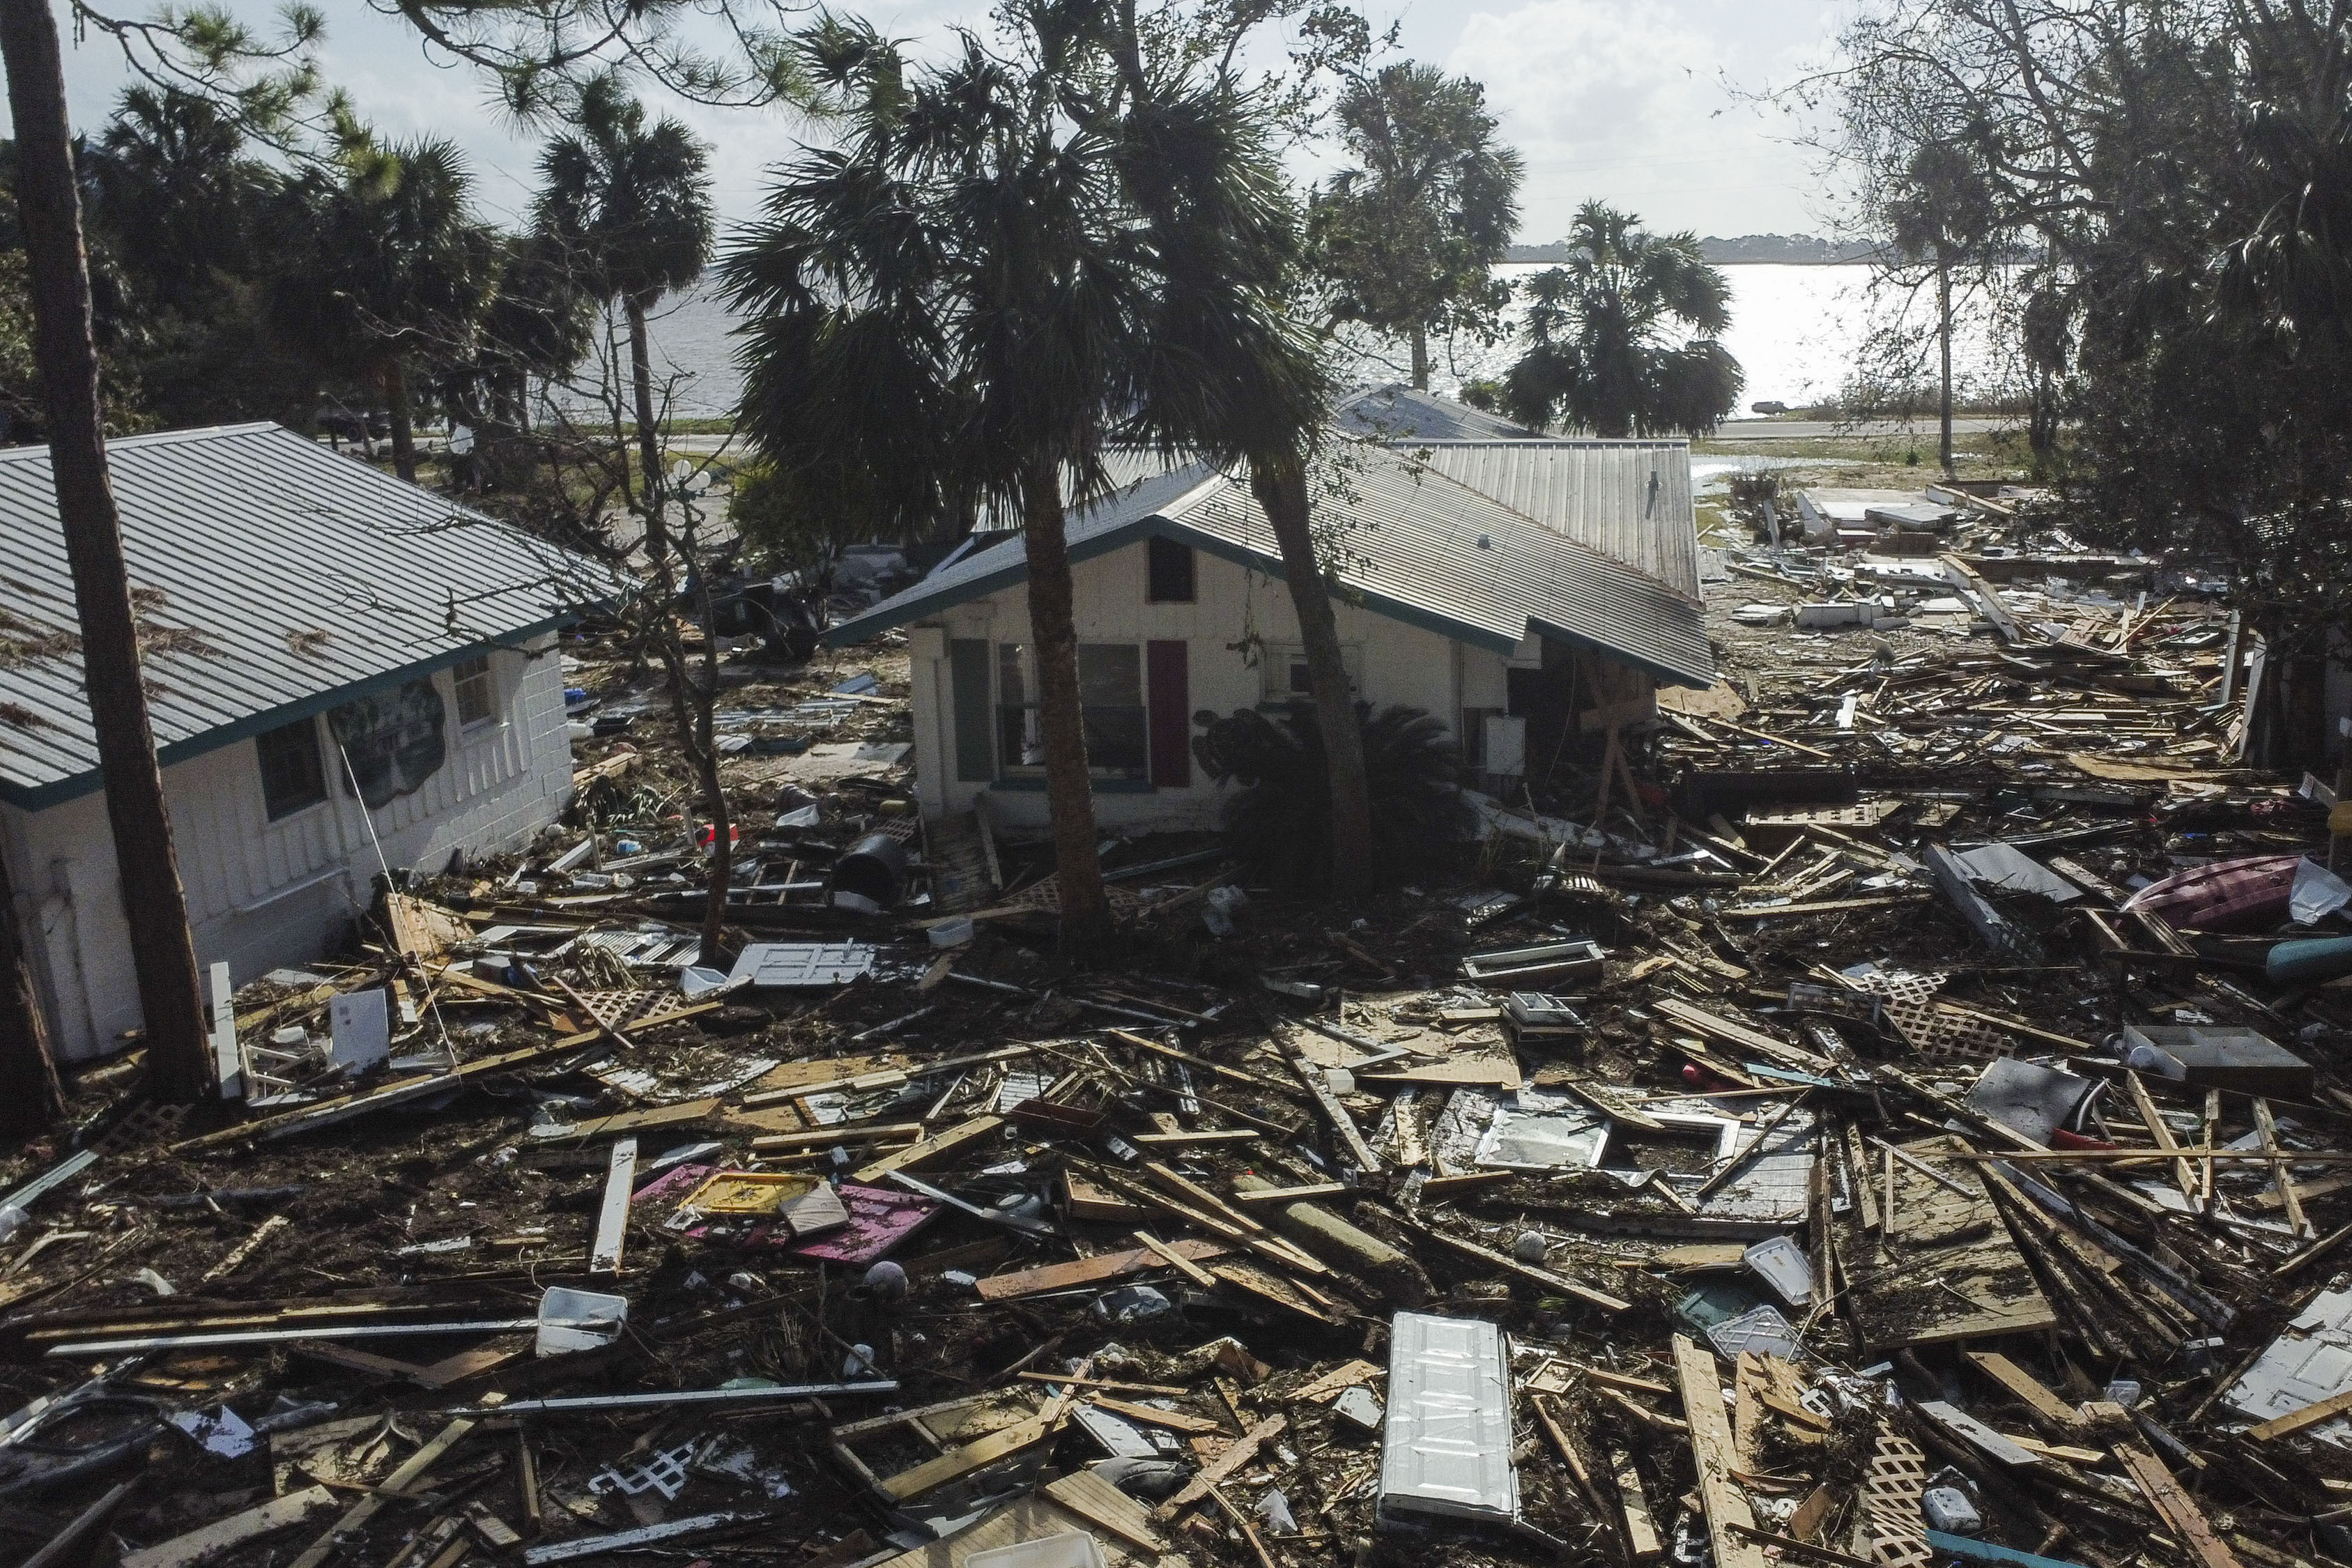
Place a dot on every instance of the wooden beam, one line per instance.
(1152, 1416)
(1090, 1272)
(1178, 1261)
(1641, 1531)
(2282, 1170)
(1238, 1453)
(937, 1146)
(977, 1454)
(2297, 1420)
(217, 1538)
(1725, 1504)
(2175, 1507)
(2043, 1408)
(424, 1460)
(1351, 1135)
(1296, 1195)
(2162, 1133)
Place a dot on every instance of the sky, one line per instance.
(1647, 104)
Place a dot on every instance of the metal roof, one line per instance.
(1400, 412)
(1628, 499)
(276, 578)
(1421, 548)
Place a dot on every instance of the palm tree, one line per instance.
(1943, 212)
(170, 182)
(396, 266)
(633, 207)
(955, 302)
(1624, 335)
(1234, 373)
(1408, 238)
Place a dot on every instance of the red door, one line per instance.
(1170, 672)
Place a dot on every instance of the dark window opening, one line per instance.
(292, 776)
(1171, 567)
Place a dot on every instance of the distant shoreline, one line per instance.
(1746, 250)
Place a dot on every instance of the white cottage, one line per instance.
(345, 672)
(1527, 592)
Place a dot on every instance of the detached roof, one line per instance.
(1421, 548)
(273, 579)
(1398, 412)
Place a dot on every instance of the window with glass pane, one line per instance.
(1287, 679)
(478, 694)
(1110, 694)
(1110, 701)
(293, 778)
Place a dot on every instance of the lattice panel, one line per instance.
(619, 1009)
(1939, 1033)
(1903, 984)
(1890, 1519)
(149, 1123)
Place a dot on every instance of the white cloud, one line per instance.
(1629, 103)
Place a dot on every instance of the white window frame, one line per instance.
(487, 675)
(1274, 672)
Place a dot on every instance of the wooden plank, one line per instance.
(245, 1249)
(1295, 1195)
(1071, 1380)
(1641, 1531)
(1152, 1416)
(216, 1539)
(1337, 1115)
(1101, 1504)
(1333, 1383)
(1731, 1032)
(1177, 1260)
(2282, 1170)
(1199, 1194)
(936, 1147)
(2161, 1133)
(1509, 1264)
(1088, 1271)
(2175, 1507)
(1220, 1138)
(424, 1460)
(2044, 1408)
(612, 1216)
(977, 1454)
(2297, 1420)
(1724, 1505)
(1238, 1453)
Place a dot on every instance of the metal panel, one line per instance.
(2312, 1361)
(1418, 547)
(1630, 500)
(778, 964)
(275, 578)
(1448, 1445)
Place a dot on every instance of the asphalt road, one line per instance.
(1823, 429)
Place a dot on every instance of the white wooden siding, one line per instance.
(264, 894)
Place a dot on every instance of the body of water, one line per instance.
(1796, 330)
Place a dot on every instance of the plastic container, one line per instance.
(1074, 1550)
(578, 1320)
(952, 933)
(1947, 1509)
(874, 868)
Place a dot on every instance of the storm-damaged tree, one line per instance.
(629, 203)
(1235, 373)
(1624, 339)
(179, 1053)
(955, 301)
(1407, 237)
(389, 269)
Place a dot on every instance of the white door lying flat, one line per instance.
(1448, 1446)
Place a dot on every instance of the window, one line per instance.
(1169, 568)
(478, 692)
(1110, 700)
(1288, 680)
(292, 778)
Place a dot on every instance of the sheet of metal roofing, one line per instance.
(1629, 500)
(1399, 413)
(1418, 544)
(270, 570)
(1447, 1450)
(1437, 549)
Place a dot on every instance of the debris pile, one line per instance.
(1839, 1152)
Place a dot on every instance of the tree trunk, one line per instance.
(179, 1054)
(690, 703)
(1069, 787)
(396, 412)
(1943, 342)
(1419, 359)
(1280, 488)
(31, 1099)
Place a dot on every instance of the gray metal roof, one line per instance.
(277, 578)
(1399, 413)
(1420, 547)
(1628, 499)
